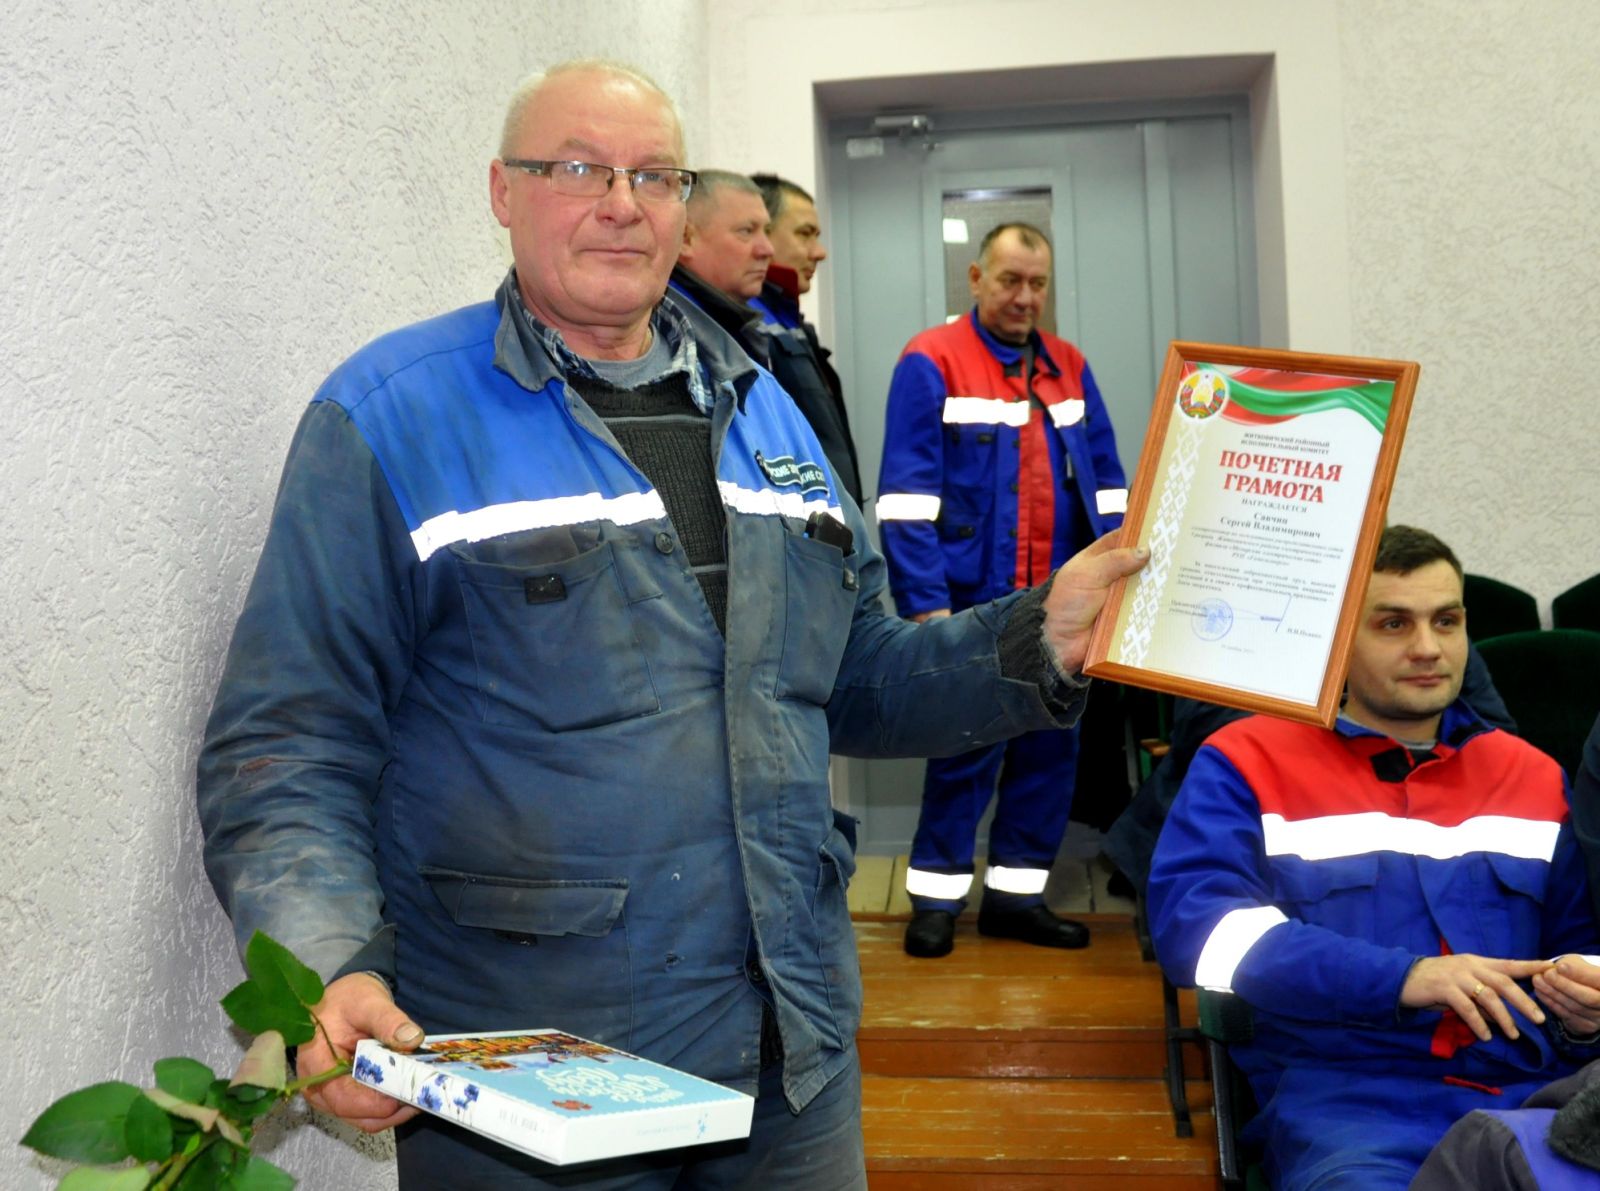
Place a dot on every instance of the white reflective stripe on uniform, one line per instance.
(493, 520)
(765, 502)
(1111, 500)
(1333, 836)
(908, 506)
(985, 411)
(946, 887)
(1067, 413)
(1230, 940)
(1015, 880)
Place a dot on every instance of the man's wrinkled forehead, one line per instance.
(582, 114)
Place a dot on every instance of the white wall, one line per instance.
(1425, 182)
(1473, 164)
(203, 209)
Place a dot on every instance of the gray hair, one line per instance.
(707, 186)
(522, 98)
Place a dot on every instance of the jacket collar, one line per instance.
(1458, 725)
(534, 355)
(732, 316)
(1009, 353)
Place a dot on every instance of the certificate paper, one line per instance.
(1260, 495)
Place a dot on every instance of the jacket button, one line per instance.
(1011, 533)
(850, 580)
(1016, 487)
(664, 542)
(753, 970)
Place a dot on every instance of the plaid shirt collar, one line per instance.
(666, 320)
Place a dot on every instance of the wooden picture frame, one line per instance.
(1261, 493)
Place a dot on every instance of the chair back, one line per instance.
(1495, 608)
(1576, 608)
(1550, 681)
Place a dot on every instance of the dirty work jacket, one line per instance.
(478, 730)
(980, 491)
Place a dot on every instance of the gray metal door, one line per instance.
(1148, 208)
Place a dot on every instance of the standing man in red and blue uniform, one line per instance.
(999, 463)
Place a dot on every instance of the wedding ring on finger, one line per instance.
(1476, 990)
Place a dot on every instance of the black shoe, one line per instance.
(1034, 924)
(930, 934)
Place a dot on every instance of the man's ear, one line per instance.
(974, 275)
(686, 249)
(500, 192)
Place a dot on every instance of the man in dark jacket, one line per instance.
(723, 261)
(799, 361)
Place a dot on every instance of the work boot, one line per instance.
(930, 934)
(1031, 924)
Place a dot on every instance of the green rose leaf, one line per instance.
(198, 1113)
(186, 1079)
(86, 1125)
(257, 1174)
(148, 1131)
(256, 1011)
(264, 1065)
(211, 1169)
(272, 965)
(96, 1178)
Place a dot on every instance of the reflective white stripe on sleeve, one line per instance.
(1111, 500)
(493, 520)
(985, 411)
(1332, 836)
(947, 887)
(1015, 880)
(1067, 413)
(907, 506)
(1230, 940)
(766, 502)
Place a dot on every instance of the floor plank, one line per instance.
(1046, 1127)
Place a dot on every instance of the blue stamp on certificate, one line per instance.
(1212, 620)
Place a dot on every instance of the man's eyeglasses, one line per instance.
(585, 179)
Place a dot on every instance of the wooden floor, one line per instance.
(1005, 1066)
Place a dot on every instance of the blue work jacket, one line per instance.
(990, 478)
(478, 729)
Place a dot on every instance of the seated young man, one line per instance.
(1390, 896)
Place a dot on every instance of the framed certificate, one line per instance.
(1261, 494)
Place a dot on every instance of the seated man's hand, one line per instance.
(354, 1007)
(1571, 990)
(934, 614)
(1476, 987)
(1078, 592)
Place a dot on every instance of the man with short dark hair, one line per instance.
(799, 360)
(1378, 893)
(527, 715)
(999, 462)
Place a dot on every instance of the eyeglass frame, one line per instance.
(541, 169)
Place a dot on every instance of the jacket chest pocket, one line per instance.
(820, 585)
(972, 457)
(554, 643)
(1338, 894)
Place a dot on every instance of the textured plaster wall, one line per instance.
(1472, 143)
(203, 208)
(1426, 181)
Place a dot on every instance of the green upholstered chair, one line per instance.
(1550, 681)
(1495, 608)
(1226, 1019)
(1578, 607)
